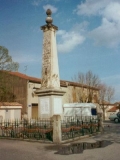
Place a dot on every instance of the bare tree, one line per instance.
(106, 94)
(89, 79)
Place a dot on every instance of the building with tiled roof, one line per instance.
(113, 109)
(10, 111)
(9, 104)
(21, 87)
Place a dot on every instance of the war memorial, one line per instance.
(51, 125)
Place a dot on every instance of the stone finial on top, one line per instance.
(48, 12)
(49, 19)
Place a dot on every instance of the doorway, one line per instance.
(34, 110)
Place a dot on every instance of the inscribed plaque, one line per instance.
(57, 106)
(44, 105)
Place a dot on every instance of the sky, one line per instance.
(88, 36)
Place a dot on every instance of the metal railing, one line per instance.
(73, 127)
(42, 129)
(39, 129)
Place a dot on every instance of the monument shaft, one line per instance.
(50, 70)
(50, 94)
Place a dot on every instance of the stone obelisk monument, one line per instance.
(50, 94)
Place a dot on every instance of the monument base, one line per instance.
(49, 102)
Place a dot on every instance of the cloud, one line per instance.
(112, 12)
(81, 27)
(92, 7)
(48, 6)
(22, 57)
(68, 40)
(36, 2)
(108, 33)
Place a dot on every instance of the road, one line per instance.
(22, 150)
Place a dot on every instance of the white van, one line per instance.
(79, 109)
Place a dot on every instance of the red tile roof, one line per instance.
(117, 103)
(113, 109)
(75, 84)
(24, 76)
(63, 83)
(10, 104)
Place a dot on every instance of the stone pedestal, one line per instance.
(50, 103)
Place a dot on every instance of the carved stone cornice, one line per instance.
(49, 27)
(48, 92)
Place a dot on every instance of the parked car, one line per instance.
(115, 117)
